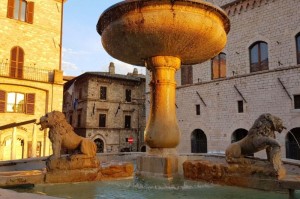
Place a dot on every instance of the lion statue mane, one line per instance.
(260, 136)
(62, 134)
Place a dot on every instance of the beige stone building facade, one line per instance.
(108, 108)
(31, 81)
(258, 72)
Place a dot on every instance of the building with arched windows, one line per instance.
(31, 81)
(258, 72)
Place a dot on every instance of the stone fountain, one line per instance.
(162, 35)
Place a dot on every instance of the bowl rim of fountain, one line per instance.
(128, 5)
(192, 30)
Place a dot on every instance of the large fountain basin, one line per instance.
(192, 30)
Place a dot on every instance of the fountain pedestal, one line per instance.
(162, 35)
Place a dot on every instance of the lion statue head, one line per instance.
(266, 124)
(55, 119)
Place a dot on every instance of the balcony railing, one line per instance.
(27, 73)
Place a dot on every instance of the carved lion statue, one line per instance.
(61, 134)
(261, 136)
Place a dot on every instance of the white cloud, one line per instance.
(69, 67)
(124, 68)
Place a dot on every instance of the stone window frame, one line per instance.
(218, 67)
(186, 74)
(126, 124)
(101, 125)
(198, 109)
(128, 95)
(240, 104)
(261, 64)
(297, 38)
(103, 93)
(296, 100)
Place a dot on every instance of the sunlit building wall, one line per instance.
(30, 74)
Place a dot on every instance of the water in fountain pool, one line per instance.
(147, 190)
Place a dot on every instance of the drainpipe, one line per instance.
(61, 33)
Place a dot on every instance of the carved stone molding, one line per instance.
(239, 6)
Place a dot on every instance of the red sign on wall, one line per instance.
(130, 140)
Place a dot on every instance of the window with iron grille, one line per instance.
(297, 101)
(218, 66)
(21, 10)
(128, 95)
(240, 106)
(103, 92)
(102, 120)
(127, 121)
(197, 109)
(259, 59)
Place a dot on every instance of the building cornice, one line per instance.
(238, 6)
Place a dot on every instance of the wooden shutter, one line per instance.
(30, 12)
(215, 68)
(13, 62)
(20, 63)
(30, 100)
(2, 101)
(10, 9)
(222, 65)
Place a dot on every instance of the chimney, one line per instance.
(111, 68)
(135, 72)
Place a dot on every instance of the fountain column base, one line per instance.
(159, 162)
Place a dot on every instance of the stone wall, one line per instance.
(40, 40)
(115, 108)
(41, 44)
(220, 118)
(273, 21)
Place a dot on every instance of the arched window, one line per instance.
(100, 145)
(259, 59)
(238, 135)
(293, 144)
(16, 62)
(218, 66)
(198, 141)
(298, 47)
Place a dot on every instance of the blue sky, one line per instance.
(82, 48)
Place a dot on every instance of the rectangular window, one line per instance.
(15, 102)
(102, 120)
(103, 93)
(20, 10)
(297, 101)
(240, 106)
(79, 120)
(128, 95)
(218, 66)
(197, 109)
(186, 74)
(127, 121)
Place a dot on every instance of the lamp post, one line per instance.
(138, 120)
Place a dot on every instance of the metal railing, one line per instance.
(27, 73)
